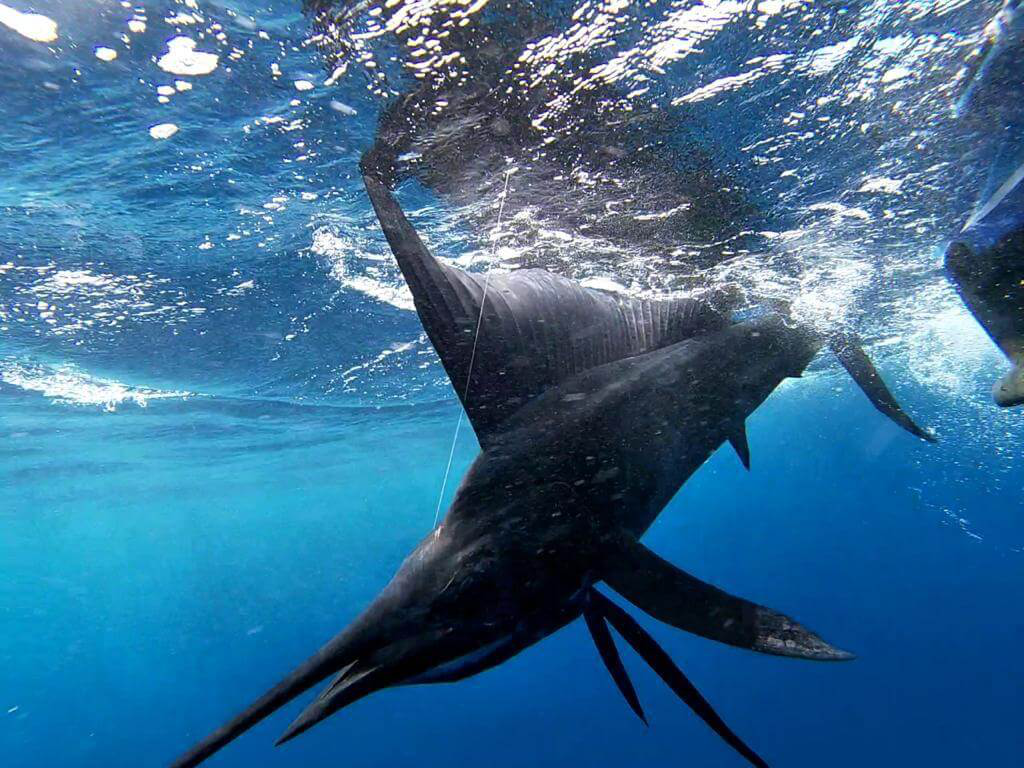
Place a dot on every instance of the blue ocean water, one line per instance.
(222, 428)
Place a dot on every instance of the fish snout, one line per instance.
(391, 665)
(1009, 390)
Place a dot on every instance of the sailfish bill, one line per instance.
(316, 668)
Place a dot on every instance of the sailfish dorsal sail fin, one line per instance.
(505, 340)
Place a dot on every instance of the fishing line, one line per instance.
(472, 355)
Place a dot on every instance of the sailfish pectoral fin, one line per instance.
(660, 662)
(613, 662)
(854, 359)
(673, 596)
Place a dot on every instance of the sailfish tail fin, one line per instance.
(855, 360)
(849, 349)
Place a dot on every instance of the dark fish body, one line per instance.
(600, 455)
(991, 283)
(622, 439)
(592, 410)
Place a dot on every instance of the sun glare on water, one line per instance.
(34, 26)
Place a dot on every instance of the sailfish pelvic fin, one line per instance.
(610, 656)
(655, 656)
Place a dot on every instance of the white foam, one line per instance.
(163, 130)
(603, 284)
(841, 210)
(348, 375)
(828, 290)
(65, 280)
(735, 82)
(373, 281)
(105, 54)
(896, 73)
(241, 288)
(388, 293)
(34, 26)
(823, 60)
(181, 19)
(182, 58)
(882, 184)
(948, 347)
(68, 385)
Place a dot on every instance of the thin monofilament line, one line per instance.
(472, 355)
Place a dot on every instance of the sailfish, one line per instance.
(591, 410)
